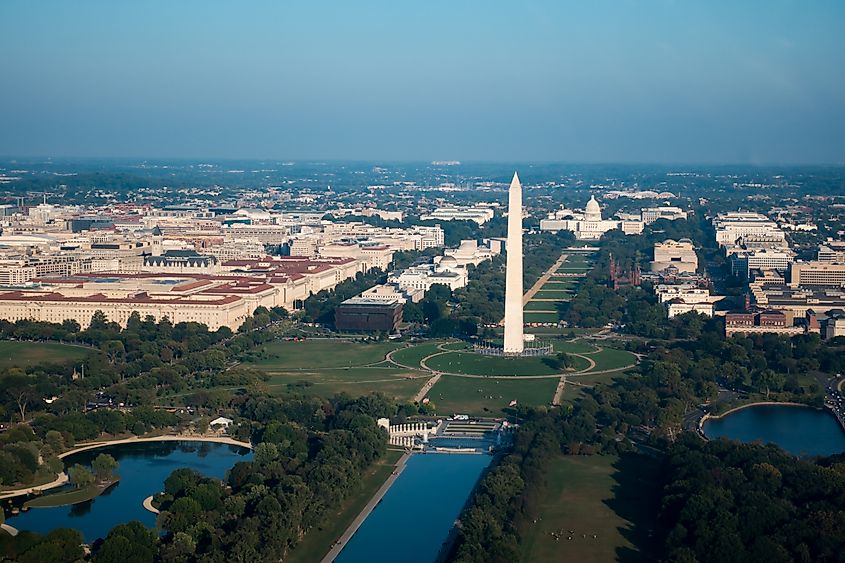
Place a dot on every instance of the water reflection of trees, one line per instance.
(81, 508)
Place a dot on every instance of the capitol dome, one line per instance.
(592, 212)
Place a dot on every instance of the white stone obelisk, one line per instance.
(514, 341)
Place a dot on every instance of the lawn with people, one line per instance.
(397, 384)
(475, 364)
(489, 397)
(411, 356)
(309, 354)
(611, 359)
(595, 509)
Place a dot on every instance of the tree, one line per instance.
(71, 326)
(62, 545)
(55, 440)
(20, 392)
(104, 466)
(128, 543)
(80, 476)
(181, 481)
(113, 350)
(768, 379)
(99, 321)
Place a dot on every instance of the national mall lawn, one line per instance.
(594, 509)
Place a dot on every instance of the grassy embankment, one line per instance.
(75, 496)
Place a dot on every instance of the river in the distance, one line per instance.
(416, 514)
(802, 431)
(143, 469)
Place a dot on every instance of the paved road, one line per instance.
(692, 418)
(350, 531)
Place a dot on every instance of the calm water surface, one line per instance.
(415, 516)
(802, 431)
(143, 469)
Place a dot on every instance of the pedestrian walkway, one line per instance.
(58, 482)
(148, 504)
(543, 279)
(561, 385)
(426, 388)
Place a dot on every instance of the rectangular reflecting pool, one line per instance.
(414, 518)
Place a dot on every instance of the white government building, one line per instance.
(588, 225)
(735, 225)
(679, 255)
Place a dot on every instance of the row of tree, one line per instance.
(738, 498)
(731, 502)
(128, 367)
(507, 497)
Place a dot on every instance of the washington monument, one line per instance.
(514, 341)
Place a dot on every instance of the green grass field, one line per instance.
(398, 384)
(412, 355)
(553, 294)
(565, 292)
(534, 317)
(313, 354)
(574, 260)
(612, 359)
(476, 364)
(610, 497)
(573, 347)
(568, 293)
(73, 496)
(555, 330)
(25, 354)
(575, 389)
(318, 541)
(541, 306)
(488, 396)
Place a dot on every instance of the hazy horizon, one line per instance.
(661, 83)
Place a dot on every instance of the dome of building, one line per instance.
(592, 212)
(449, 262)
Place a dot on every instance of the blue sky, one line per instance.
(694, 81)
